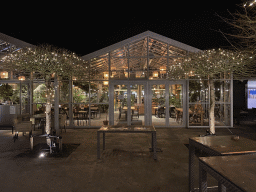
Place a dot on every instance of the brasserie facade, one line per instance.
(128, 83)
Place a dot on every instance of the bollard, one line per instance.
(31, 142)
(60, 143)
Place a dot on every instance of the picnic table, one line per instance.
(127, 129)
(233, 173)
(217, 146)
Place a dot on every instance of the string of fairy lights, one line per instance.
(250, 4)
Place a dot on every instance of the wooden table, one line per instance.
(217, 146)
(42, 118)
(127, 129)
(234, 173)
(125, 109)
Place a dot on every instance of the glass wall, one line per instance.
(85, 100)
(199, 102)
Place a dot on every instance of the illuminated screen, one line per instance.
(251, 100)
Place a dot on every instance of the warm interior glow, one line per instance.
(21, 78)
(155, 74)
(4, 75)
(105, 75)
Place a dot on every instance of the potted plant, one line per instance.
(106, 121)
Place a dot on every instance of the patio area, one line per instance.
(125, 165)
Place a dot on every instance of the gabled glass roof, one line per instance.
(146, 51)
(10, 44)
(137, 46)
(7, 47)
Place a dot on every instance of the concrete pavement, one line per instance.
(125, 165)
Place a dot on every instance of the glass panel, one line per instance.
(99, 113)
(9, 93)
(80, 91)
(198, 114)
(138, 74)
(64, 91)
(120, 52)
(175, 105)
(120, 104)
(123, 74)
(99, 92)
(174, 51)
(21, 76)
(138, 48)
(137, 104)
(119, 64)
(222, 114)
(99, 68)
(80, 114)
(198, 91)
(157, 68)
(222, 91)
(138, 64)
(25, 103)
(158, 105)
(156, 48)
(157, 63)
(39, 93)
(119, 68)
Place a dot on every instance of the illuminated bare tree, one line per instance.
(48, 61)
(243, 23)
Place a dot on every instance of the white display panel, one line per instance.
(251, 92)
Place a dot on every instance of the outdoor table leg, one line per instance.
(154, 144)
(221, 187)
(202, 179)
(98, 145)
(191, 166)
(103, 140)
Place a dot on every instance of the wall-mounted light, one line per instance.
(155, 74)
(21, 78)
(4, 75)
(105, 75)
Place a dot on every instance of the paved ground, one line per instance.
(126, 164)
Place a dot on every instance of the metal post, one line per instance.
(155, 145)
(103, 140)
(98, 145)
(202, 179)
(60, 143)
(191, 166)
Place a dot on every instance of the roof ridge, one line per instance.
(140, 36)
(15, 41)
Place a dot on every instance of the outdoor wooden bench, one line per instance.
(23, 124)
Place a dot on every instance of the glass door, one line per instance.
(137, 104)
(127, 103)
(120, 104)
(176, 110)
(167, 104)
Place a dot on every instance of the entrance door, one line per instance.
(127, 103)
(167, 103)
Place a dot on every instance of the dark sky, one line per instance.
(84, 28)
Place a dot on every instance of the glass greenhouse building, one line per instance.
(128, 84)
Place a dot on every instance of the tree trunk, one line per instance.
(212, 105)
(48, 108)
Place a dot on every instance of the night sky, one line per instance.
(86, 27)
